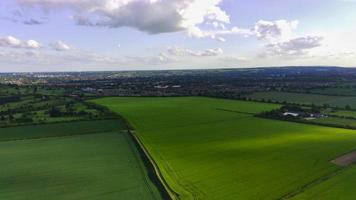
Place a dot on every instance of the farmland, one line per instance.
(77, 160)
(336, 121)
(306, 99)
(217, 149)
(339, 187)
(342, 91)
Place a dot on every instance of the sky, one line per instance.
(101, 35)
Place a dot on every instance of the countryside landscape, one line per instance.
(72, 142)
(177, 100)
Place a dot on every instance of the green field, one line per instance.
(216, 149)
(344, 91)
(340, 122)
(340, 187)
(79, 160)
(59, 129)
(307, 99)
(344, 113)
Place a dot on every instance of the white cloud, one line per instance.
(221, 39)
(60, 46)
(177, 51)
(32, 44)
(234, 59)
(13, 42)
(293, 47)
(161, 16)
(152, 16)
(280, 30)
(10, 41)
(271, 31)
(206, 52)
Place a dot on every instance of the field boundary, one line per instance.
(310, 123)
(167, 189)
(62, 136)
(235, 111)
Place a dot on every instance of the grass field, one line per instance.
(59, 129)
(104, 164)
(340, 187)
(216, 149)
(345, 91)
(307, 99)
(344, 113)
(336, 121)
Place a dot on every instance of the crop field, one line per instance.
(95, 160)
(216, 149)
(307, 99)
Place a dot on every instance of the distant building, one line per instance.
(161, 86)
(88, 89)
(293, 114)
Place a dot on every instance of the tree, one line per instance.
(54, 112)
(325, 106)
(35, 90)
(348, 107)
(11, 117)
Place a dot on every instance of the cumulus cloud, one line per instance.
(10, 41)
(177, 51)
(60, 46)
(32, 44)
(14, 42)
(271, 31)
(296, 46)
(234, 58)
(275, 30)
(152, 16)
(162, 16)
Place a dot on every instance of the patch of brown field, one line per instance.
(346, 160)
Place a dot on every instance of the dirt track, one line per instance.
(346, 160)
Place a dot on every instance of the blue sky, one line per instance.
(77, 35)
